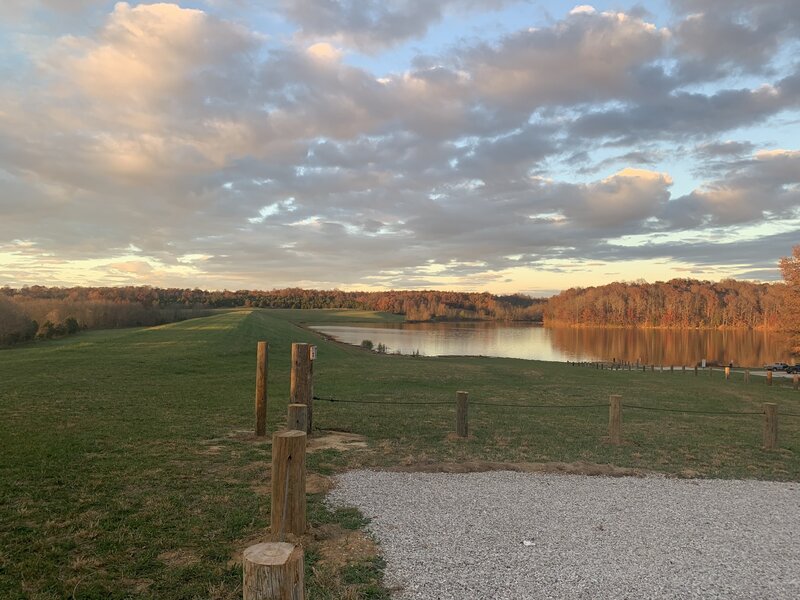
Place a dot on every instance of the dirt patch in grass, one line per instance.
(179, 558)
(338, 546)
(480, 466)
(336, 440)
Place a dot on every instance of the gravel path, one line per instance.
(503, 535)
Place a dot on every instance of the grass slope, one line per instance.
(126, 470)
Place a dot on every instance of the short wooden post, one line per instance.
(671, 368)
(262, 357)
(652, 368)
(462, 417)
(796, 381)
(301, 389)
(273, 571)
(770, 426)
(769, 377)
(615, 419)
(683, 368)
(296, 417)
(288, 500)
(727, 373)
(695, 370)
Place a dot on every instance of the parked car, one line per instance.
(793, 369)
(779, 366)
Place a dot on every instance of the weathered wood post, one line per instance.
(615, 419)
(727, 373)
(273, 571)
(796, 381)
(288, 500)
(671, 368)
(747, 375)
(462, 417)
(302, 388)
(262, 357)
(296, 417)
(695, 370)
(683, 368)
(770, 426)
(769, 377)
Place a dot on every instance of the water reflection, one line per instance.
(650, 346)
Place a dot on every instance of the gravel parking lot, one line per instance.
(504, 535)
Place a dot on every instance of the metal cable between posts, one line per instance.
(552, 406)
(400, 403)
(565, 406)
(695, 412)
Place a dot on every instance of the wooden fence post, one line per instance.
(273, 571)
(288, 500)
(695, 370)
(615, 419)
(671, 369)
(262, 358)
(796, 381)
(296, 417)
(683, 369)
(727, 373)
(769, 377)
(770, 426)
(302, 387)
(747, 375)
(462, 417)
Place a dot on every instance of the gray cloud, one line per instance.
(718, 38)
(374, 25)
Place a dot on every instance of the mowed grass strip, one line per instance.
(127, 468)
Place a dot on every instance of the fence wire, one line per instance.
(399, 403)
(696, 412)
(726, 413)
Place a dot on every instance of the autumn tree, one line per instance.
(790, 268)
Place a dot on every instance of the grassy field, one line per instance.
(127, 468)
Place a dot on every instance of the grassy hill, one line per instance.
(127, 468)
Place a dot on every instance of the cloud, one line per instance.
(587, 57)
(719, 38)
(374, 25)
(766, 187)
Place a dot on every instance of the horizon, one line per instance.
(411, 290)
(513, 146)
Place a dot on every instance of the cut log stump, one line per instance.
(273, 571)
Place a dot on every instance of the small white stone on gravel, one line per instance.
(502, 535)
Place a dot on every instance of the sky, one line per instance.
(476, 145)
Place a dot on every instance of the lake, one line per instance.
(522, 340)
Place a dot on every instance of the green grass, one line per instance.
(126, 469)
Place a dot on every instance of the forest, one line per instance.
(679, 303)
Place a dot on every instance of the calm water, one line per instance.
(662, 347)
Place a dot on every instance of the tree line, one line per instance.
(678, 303)
(46, 312)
